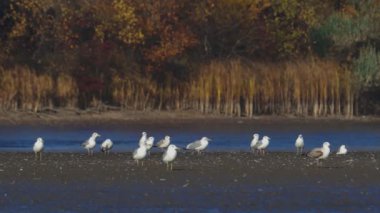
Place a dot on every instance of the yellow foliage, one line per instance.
(120, 20)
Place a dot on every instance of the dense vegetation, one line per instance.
(232, 57)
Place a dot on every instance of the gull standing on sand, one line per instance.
(90, 143)
(299, 144)
(199, 145)
(106, 146)
(38, 147)
(143, 138)
(254, 142)
(263, 144)
(169, 155)
(149, 144)
(320, 153)
(163, 143)
(342, 150)
(139, 154)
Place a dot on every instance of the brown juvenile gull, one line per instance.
(320, 153)
(163, 143)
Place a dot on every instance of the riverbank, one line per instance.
(116, 117)
(219, 181)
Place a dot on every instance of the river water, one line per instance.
(226, 135)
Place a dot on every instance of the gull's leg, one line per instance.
(142, 163)
(137, 161)
(40, 156)
(167, 166)
(171, 166)
(301, 150)
(35, 156)
(88, 151)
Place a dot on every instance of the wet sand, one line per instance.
(215, 181)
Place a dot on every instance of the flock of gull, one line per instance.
(146, 143)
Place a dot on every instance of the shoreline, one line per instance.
(83, 117)
(283, 165)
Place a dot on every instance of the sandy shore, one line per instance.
(211, 182)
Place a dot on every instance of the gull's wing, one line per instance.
(85, 143)
(315, 153)
(159, 143)
(104, 145)
(258, 144)
(194, 145)
(164, 155)
(135, 152)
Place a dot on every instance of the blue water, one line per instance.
(233, 135)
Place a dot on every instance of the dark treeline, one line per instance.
(231, 57)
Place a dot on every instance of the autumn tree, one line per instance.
(166, 29)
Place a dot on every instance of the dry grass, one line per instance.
(233, 88)
(317, 88)
(23, 89)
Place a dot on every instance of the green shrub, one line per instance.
(367, 66)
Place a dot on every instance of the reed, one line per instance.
(23, 89)
(232, 88)
(307, 88)
(66, 91)
(134, 92)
